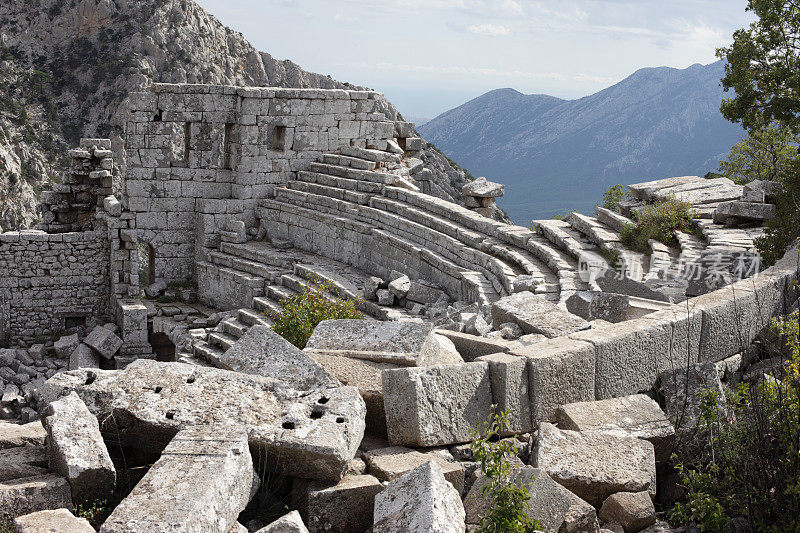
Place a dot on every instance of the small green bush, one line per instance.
(613, 196)
(658, 221)
(508, 512)
(95, 511)
(303, 312)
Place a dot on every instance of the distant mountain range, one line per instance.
(555, 155)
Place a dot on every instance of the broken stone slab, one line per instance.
(385, 297)
(154, 290)
(534, 314)
(594, 305)
(77, 450)
(83, 357)
(612, 282)
(400, 287)
(548, 502)
(400, 343)
(14, 435)
(634, 511)
(289, 523)
(263, 352)
(471, 346)
(595, 465)
(103, 341)
(483, 188)
(419, 501)
(510, 382)
(19, 497)
(437, 405)
(66, 345)
(202, 481)
(761, 191)
(387, 464)
(682, 389)
(424, 293)
(633, 416)
(54, 521)
(343, 507)
(581, 516)
(744, 211)
(24, 461)
(312, 435)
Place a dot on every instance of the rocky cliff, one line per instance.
(66, 67)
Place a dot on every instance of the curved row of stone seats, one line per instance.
(609, 239)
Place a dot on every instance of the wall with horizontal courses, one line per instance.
(188, 143)
(48, 279)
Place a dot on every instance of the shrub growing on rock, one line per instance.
(303, 312)
(658, 221)
(612, 197)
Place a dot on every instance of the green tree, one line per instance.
(765, 154)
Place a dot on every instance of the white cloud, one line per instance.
(493, 30)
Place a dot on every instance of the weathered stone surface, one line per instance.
(581, 516)
(424, 293)
(633, 416)
(401, 343)
(548, 501)
(594, 305)
(612, 282)
(748, 211)
(83, 357)
(483, 188)
(387, 464)
(595, 465)
(385, 297)
(510, 382)
(761, 191)
(202, 481)
(103, 341)
(634, 511)
(441, 350)
(28, 495)
(24, 461)
(343, 507)
(534, 314)
(55, 521)
(263, 352)
(400, 287)
(290, 523)
(471, 346)
(436, 405)
(13, 435)
(310, 435)
(77, 450)
(682, 390)
(65, 345)
(419, 501)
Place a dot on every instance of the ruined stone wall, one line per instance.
(51, 282)
(190, 143)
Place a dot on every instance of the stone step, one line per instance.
(377, 156)
(341, 183)
(234, 327)
(268, 306)
(255, 268)
(594, 230)
(253, 318)
(206, 351)
(351, 173)
(279, 293)
(349, 161)
(260, 252)
(221, 340)
(326, 204)
(612, 219)
(339, 287)
(333, 192)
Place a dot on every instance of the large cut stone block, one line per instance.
(419, 501)
(388, 464)
(24, 461)
(632, 416)
(534, 314)
(312, 435)
(290, 523)
(436, 405)
(65, 345)
(683, 388)
(510, 382)
(263, 352)
(13, 435)
(634, 511)
(103, 341)
(595, 465)
(28, 495)
(343, 507)
(83, 357)
(202, 481)
(77, 450)
(560, 371)
(56, 521)
(400, 343)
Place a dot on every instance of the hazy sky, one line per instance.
(431, 55)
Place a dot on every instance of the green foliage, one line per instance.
(658, 221)
(763, 67)
(750, 451)
(784, 229)
(95, 511)
(508, 512)
(303, 312)
(765, 154)
(612, 197)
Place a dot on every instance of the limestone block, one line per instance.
(371, 286)
(548, 501)
(595, 465)
(414, 144)
(433, 406)
(19, 497)
(343, 507)
(112, 206)
(633, 416)
(312, 435)
(133, 319)
(103, 341)
(385, 297)
(510, 382)
(560, 371)
(748, 211)
(534, 314)
(77, 450)
(682, 389)
(55, 521)
(761, 191)
(581, 516)
(400, 287)
(634, 511)
(593, 305)
(155, 289)
(290, 523)
(424, 293)
(181, 491)
(13, 435)
(23, 461)
(387, 464)
(66, 345)
(483, 188)
(83, 357)
(419, 501)
(263, 352)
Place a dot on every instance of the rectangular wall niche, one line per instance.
(279, 138)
